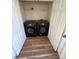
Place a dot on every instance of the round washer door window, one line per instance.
(42, 30)
(30, 30)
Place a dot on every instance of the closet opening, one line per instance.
(36, 17)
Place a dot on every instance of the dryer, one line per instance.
(42, 27)
(30, 28)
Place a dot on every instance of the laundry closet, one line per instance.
(36, 12)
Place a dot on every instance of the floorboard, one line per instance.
(37, 48)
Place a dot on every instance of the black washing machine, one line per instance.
(42, 27)
(30, 28)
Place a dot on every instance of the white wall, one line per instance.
(57, 25)
(18, 34)
(57, 22)
(62, 46)
(63, 53)
(42, 10)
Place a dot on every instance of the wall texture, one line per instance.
(57, 22)
(42, 10)
(57, 25)
(18, 34)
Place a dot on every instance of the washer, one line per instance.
(42, 27)
(30, 28)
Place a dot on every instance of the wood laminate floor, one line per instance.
(37, 48)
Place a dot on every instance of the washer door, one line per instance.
(30, 30)
(43, 30)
